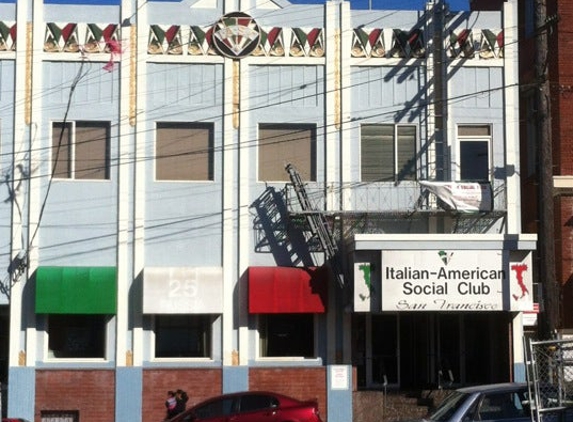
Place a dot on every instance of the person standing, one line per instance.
(171, 404)
(181, 399)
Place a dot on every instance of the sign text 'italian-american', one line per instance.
(440, 280)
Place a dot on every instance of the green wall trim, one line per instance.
(76, 290)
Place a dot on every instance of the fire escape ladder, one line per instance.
(317, 222)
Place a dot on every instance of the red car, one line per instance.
(251, 406)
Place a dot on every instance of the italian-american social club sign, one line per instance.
(455, 281)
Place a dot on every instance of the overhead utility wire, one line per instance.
(59, 145)
(253, 143)
(357, 183)
(14, 273)
(275, 13)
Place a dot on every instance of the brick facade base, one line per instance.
(91, 392)
(300, 383)
(200, 384)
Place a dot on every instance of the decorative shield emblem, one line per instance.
(236, 35)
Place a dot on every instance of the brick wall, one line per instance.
(391, 406)
(564, 252)
(561, 75)
(300, 383)
(91, 392)
(200, 384)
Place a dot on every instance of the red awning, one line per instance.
(286, 290)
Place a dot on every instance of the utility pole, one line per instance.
(549, 318)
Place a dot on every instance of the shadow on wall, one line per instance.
(276, 234)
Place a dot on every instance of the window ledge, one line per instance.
(286, 361)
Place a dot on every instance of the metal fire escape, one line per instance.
(318, 225)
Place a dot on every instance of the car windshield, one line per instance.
(449, 406)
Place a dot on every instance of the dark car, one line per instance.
(252, 406)
(505, 402)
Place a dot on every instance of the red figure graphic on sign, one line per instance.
(519, 270)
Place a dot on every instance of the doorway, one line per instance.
(430, 350)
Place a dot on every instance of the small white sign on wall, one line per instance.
(339, 379)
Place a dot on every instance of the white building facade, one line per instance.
(219, 195)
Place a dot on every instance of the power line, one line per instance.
(19, 263)
(248, 143)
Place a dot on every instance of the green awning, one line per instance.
(76, 290)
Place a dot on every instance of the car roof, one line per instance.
(243, 393)
(489, 388)
(193, 408)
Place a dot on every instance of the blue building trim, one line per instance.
(253, 363)
(93, 2)
(519, 374)
(128, 393)
(235, 378)
(339, 393)
(182, 364)
(22, 385)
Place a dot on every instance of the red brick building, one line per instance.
(558, 130)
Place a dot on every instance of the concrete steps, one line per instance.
(377, 406)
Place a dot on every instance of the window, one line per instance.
(77, 336)
(183, 336)
(474, 153)
(449, 406)
(283, 335)
(529, 17)
(281, 144)
(59, 416)
(184, 151)
(252, 402)
(216, 409)
(531, 136)
(502, 406)
(81, 150)
(388, 153)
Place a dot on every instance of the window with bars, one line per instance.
(81, 150)
(60, 416)
(184, 151)
(388, 152)
(281, 144)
